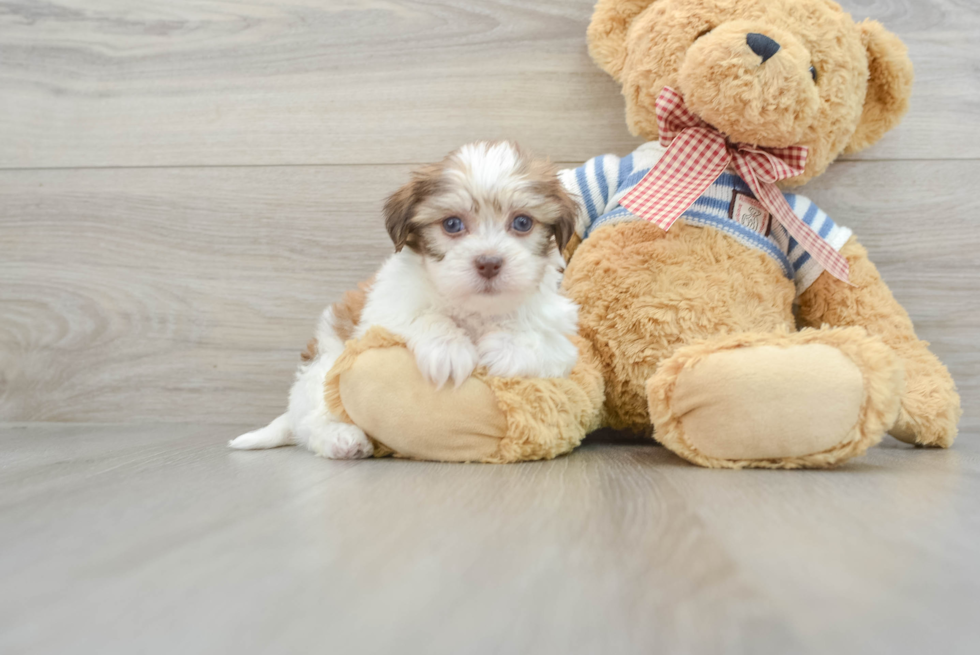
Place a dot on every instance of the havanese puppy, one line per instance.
(474, 281)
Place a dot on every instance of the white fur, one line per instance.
(450, 339)
(516, 325)
(307, 421)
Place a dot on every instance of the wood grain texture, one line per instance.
(186, 184)
(260, 82)
(187, 294)
(208, 281)
(158, 539)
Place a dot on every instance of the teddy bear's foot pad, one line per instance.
(784, 405)
(387, 396)
(768, 402)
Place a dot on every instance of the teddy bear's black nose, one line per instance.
(762, 45)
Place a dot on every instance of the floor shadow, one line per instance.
(610, 436)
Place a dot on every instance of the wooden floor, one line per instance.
(157, 539)
(185, 184)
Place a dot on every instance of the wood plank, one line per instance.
(187, 294)
(269, 82)
(158, 539)
(285, 544)
(881, 532)
(208, 280)
(940, 35)
(260, 82)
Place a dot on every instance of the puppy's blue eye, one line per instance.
(813, 73)
(452, 225)
(522, 224)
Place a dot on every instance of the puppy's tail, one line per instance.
(273, 435)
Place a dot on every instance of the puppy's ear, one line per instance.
(565, 211)
(568, 217)
(399, 209)
(401, 205)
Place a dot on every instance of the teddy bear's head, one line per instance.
(770, 73)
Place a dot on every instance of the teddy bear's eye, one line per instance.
(813, 73)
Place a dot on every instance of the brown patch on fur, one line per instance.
(401, 205)
(419, 243)
(544, 247)
(347, 311)
(346, 316)
(406, 229)
(544, 181)
(311, 352)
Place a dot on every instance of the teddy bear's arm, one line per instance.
(594, 184)
(376, 385)
(930, 405)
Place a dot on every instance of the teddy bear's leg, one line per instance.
(376, 385)
(930, 406)
(807, 399)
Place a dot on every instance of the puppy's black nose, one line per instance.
(762, 45)
(487, 266)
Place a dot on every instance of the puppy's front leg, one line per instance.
(527, 354)
(509, 355)
(442, 349)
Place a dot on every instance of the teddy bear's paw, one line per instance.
(920, 425)
(340, 441)
(768, 403)
(802, 400)
(930, 408)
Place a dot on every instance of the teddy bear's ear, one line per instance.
(607, 32)
(889, 85)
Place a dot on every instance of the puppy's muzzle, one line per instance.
(488, 267)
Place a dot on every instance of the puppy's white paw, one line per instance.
(508, 355)
(340, 441)
(445, 357)
(505, 357)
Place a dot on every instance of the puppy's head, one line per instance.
(487, 221)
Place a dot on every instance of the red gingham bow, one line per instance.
(697, 154)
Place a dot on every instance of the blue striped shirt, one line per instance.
(601, 183)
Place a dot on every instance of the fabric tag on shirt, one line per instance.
(750, 213)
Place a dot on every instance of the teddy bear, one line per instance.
(720, 311)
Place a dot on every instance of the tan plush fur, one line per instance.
(644, 292)
(930, 406)
(543, 418)
(657, 304)
(880, 370)
(648, 296)
(864, 76)
(550, 417)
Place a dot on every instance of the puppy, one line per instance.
(474, 281)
